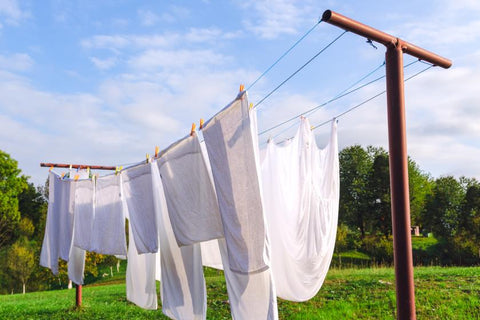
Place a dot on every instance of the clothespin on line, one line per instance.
(148, 158)
(312, 127)
(250, 107)
(88, 171)
(202, 122)
(242, 87)
(192, 131)
(76, 177)
(118, 169)
(157, 150)
(51, 168)
(71, 167)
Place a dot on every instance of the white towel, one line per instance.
(301, 194)
(191, 200)
(231, 140)
(108, 235)
(138, 193)
(140, 277)
(183, 285)
(83, 214)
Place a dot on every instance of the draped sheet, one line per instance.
(301, 196)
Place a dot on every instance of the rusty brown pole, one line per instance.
(400, 202)
(78, 296)
(77, 166)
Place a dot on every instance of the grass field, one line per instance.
(441, 293)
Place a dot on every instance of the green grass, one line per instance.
(441, 293)
(423, 243)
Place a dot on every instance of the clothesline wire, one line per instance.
(341, 94)
(299, 69)
(370, 99)
(284, 54)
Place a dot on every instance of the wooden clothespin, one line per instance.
(202, 122)
(242, 87)
(192, 131)
(157, 150)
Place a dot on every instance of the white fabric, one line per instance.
(251, 296)
(231, 140)
(76, 260)
(183, 289)
(140, 276)
(83, 214)
(76, 265)
(138, 193)
(301, 195)
(108, 234)
(51, 246)
(191, 200)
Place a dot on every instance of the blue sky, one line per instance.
(104, 82)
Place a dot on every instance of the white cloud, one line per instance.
(12, 13)
(104, 64)
(16, 62)
(270, 19)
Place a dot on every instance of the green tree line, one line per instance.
(445, 208)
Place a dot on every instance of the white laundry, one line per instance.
(108, 234)
(76, 260)
(83, 214)
(231, 140)
(51, 240)
(183, 289)
(140, 276)
(301, 196)
(191, 200)
(251, 296)
(138, 193)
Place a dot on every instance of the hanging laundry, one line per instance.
(58, 229)
(231, 141)
(76, 261)
(191, 200)
(108, 234)
(182, 287)
(301, 194)
(84, 214)
(251, 296)
(137, 190)
(140, 277)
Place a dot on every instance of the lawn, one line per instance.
(441, 293)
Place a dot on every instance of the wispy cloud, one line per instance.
(16, 62)
(12, 13)
(104, 64)
(147, 18)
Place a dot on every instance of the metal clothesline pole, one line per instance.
(77, 166)
(400, 202)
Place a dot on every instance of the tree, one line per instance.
(443, 207)
(20, 262)
(355, 164)
(420, 186)
(11, 185)
(33, 205)
(379, 194)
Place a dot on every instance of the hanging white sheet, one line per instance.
(301, 196)
(84, 214)
(140, 277)
(137, 190)
(183, 289)
(108, 234)
(251, 296)
(191, 200)
(231, 141)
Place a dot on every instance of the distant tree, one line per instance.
(443, 207)
(21, 262)
(420, 185)
(33, 205)
(11, 185)
(355, 165)
(379, 194)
